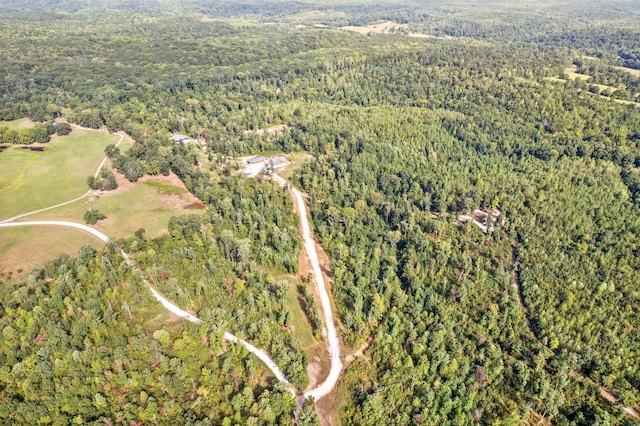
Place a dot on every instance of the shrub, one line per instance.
(92, 216)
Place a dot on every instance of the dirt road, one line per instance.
(170, 306)
(332, 335)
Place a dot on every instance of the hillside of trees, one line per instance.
(517, 325)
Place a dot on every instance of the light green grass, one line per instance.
(131, 207)
(631, 71)
(128, 209)
(31, 180)
(18, 124)
(165, 188)
(571, 72)
(296, 159)
(301, 327)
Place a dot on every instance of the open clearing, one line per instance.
(148, 204)
(296, 160)
(386, 27)
(272, 131)
(18, 124)
(571, 72)
(31, 180)
(389, 27)
(573, 75)
(632, 71)
(24, 248)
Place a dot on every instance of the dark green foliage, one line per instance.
(112, 151)
(63, 129)
(131, 168)
(307, 415)
(92, 216)
(310, 309)
(80, 346)
(37, 134)
(105, 182)
(406, 133)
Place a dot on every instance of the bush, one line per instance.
(63, 129)
(92, 216)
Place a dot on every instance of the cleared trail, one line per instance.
(331, 381)
(170, 306)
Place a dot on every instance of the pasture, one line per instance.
(18, 124)
(23, 248)
(31, 180)
(148, 203)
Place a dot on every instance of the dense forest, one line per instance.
(520, 324)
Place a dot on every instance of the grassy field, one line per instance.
(386, 27)
(297, 159)
(31, 180)
(571, 72)
(301, 327)
(18, 124)
(147, 204)
(24, 248)
(631, 71)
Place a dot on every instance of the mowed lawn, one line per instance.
(148, 204)
(31, 180)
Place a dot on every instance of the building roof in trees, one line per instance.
(255, 160)
(275, 162)
(179, 138)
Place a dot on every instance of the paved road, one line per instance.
(332, 335)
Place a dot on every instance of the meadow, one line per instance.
(32, 180)
(147, 204)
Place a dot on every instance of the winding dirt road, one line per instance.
(264, 357)
(318, 392)
(332, 335)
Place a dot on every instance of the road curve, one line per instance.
(80, 226)
(332, 335)
(264, 357)
(66, 202)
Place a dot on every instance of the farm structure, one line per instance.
(256, 160)
(277, 162)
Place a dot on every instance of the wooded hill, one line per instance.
(523, 323)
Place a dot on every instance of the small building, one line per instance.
(256, 160)
(277, 162)
(180, 138)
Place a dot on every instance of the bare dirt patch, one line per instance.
(195, 206)
(186, 200)
(327, 409)
(276, 130)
